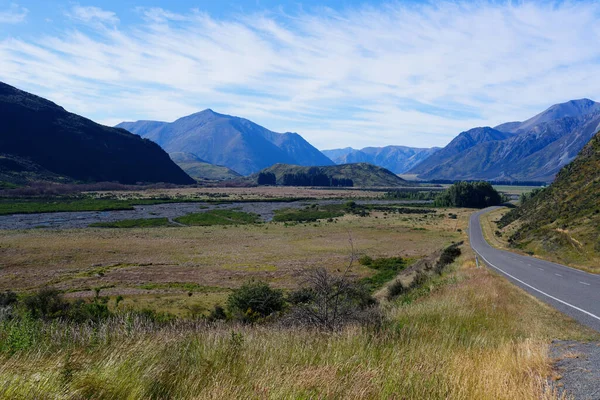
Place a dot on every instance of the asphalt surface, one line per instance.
(571, 291)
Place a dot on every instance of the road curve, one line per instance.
(571, 291)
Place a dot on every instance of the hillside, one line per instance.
(361, 174)
(398, 159)
(563, 220)
(48, 139)
(533, 150)
(233, 142)
(200, 169)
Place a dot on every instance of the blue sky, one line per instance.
(341, 73)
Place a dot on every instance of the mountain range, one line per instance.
(398, 159)
(532, 150)
(41, 140)
(233, 142)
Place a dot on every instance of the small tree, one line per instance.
(254, 300)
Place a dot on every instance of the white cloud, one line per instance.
(92, 14)
(13, 15)
(412, 75)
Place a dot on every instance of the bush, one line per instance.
(396, 289)
(365, 260)
(334, 302)
(301, 296)
(448, 256)
(8, 298)
(47, 303)
(254, 300)
(217, 314)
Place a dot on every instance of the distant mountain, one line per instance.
(533, 150)
(202, 170)
(234, 142)
(41, 137)
(397, 159)
(362, 174)
(336, 154)
(563, 220)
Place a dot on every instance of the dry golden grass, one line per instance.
(475, 336)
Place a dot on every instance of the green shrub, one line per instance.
(217, 314)
(255, 300)
(301, 296)
(365, 260)
(396, 289)
(47, 303)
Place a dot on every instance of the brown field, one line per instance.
(171, 269)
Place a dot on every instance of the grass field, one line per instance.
(470, 335)
(126, 261)
(467, 334)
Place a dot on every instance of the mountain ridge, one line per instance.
(398, 159)
(69, 145)
(230, 141)
(533, 150)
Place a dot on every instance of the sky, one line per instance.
(341, 73)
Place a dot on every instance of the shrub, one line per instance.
(217, 314)
(8, 298)
(448, 256)
(301, 296)
(365, 260)
(47, 303)
(254, 300)
(396, 289)
(335, 302)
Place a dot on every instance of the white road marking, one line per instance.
(585, 283)
(541, 269)
(538, 290)
(558, 274)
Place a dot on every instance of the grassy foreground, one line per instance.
(469, 335)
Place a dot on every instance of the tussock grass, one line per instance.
(472, 336)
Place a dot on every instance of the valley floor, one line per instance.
(466, 334)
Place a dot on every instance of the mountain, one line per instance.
(41, 136)
(234, 142)
(563, 220)
(335, 154)
(200, 169)
(362, 174)
(397, 159)
(533, 150)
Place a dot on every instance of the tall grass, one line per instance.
(474, 336)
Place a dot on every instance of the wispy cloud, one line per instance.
(92, 14)
(13, 15)
(397, 74)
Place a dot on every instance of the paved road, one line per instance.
(573, 292)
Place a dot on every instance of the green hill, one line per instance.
(202, 170)
(563, 220)
(361, 174)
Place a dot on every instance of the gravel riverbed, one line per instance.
(82, 219)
